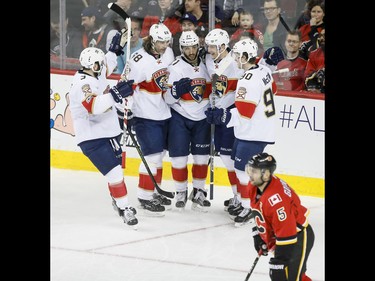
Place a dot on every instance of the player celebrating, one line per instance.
(148, 69)
(188, 130)
(281, 221)
(96, 126)
(217, 41)
(253, 119)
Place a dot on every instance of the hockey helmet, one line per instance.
(160, 32)
(248, 46)
(89, 56)
(217, 37)
(263, 161)
(189, 38)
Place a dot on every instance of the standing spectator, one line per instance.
(188, 22)
(275, 29)
(189, 133)
(217, 41)
(315, 69)
(281, 221)
(293, 78)
(97, 33)
(72, 40)
(164, 12)
(253, 118)
(135, 44)
(246, 25)
(148, 69)
(96, 126)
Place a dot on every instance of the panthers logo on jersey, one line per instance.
(197, 90)
(161, 77)
(221, 85)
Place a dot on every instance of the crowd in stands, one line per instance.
(295, 27)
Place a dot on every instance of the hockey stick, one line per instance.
(161, 191)
(254, 264)
(117, 9)
(226, 62)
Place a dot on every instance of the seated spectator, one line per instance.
(294, 65)
(97, 33)
(315, 68)
(188, 22)
(164, 12)
(72, 40)
(136, 42)
(246, 25)
(311, 30)
(195, 7)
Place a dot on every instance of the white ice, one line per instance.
(90, 242)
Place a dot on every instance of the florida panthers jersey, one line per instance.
(227, 82)
(255, 88)
(85, 88)
(192, 104)
(150, 77)
(278, 212)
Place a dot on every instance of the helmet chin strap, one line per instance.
(218, 52)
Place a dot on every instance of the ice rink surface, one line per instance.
(90, 242)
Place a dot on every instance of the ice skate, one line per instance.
(235, 211)
(231, 203)
(127, 214)
(164, 201)
(152, 207)
(243, 218)
(181, 198)
(200, 203)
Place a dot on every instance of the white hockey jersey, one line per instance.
(93, 125)
(150, 77)
(227, 82)
(256, 87)
(193, 104)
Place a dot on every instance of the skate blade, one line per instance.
(198, 208)
(240, 224)
(168, 207)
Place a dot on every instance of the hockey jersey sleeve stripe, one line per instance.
(245, 109)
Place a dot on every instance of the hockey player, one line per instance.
(281, 221)
(148, 69)
(253, 119)
(188, 130)
(96, 126)
(217, 41)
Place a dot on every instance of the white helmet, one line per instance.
(90, 56)
(160, 32)
(248, 46)
(189, 38)
(217, 37)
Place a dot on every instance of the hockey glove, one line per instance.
(181, 87)
(218, 116)
(259, 244)
(115, 46)
(122, 90)
(273, 55)
(278, 270)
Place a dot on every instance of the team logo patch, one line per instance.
(241, 93)
(274, 199)
(221, 85)
(86, 89)
(161, 77)
(198, 86)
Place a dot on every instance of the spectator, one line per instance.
(72, 39)
(189, 133)
(135, 44)
(164, 12)
(97, 33)
(253, 118)
(311, 30)
(188, 22)
(293, 78)
(129, 6)
(246, 25)
(315, 68)
(275, 28)
(194, 7)
(148, 68)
